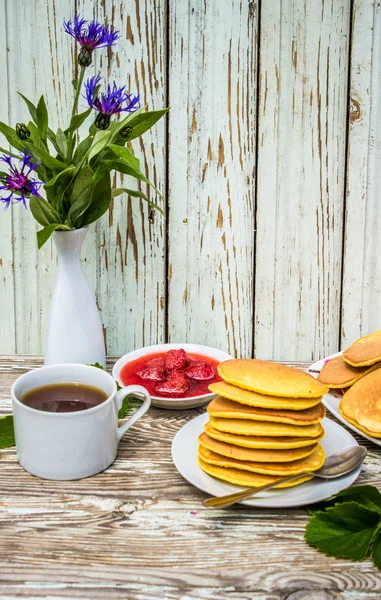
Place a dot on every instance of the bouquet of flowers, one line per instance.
(75, 175)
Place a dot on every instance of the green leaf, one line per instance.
(124, 408)
(121, 166)
(42, 118)
(31, 107)
(7, 434)
(62, 175)
(345, 530)
(143, 121)
(100, 201)
(77, 120)
(136, 194)
(44, 234)
(366, 495)
(11, 137)
(61, 141)
(81, 149)
(376, 549)
(101, 140)
(80, 197)
(74, 83)
(117, 126)
(43, 155)
(43, 212)
(126, 155)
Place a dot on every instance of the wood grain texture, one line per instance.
(362, 262)
(301, 170)
(212, 93)
(130, 243)
(138, 530)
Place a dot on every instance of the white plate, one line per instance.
(332, 400)
(172, 403)
(184, 455)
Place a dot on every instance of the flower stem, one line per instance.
(9, 153)
(74, 112)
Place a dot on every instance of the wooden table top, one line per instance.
(139, 530)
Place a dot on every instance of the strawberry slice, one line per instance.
(155, 370)
(176, 383)
(199, 370)
(176, 359)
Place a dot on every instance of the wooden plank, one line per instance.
(131, 238)
(212, 93)
(7, 298)
(39, 62)
(362, 263)
(138, 530)
(301, 169)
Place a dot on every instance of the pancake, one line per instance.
(231, 392)
(361, 404)
(264, 428)
(365, 351)
(253, 455)
(261, 442)
(337, 373)
(228, 409)
(270, 378)
(313, 462)
(245, 478)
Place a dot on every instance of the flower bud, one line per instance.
(22, 131)
(125, 132)
(102, 121)
(85, 56)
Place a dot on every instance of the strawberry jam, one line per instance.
(147, 371)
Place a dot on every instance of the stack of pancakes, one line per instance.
(358, 369)
(263, 424)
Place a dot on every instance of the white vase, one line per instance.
(75, 333)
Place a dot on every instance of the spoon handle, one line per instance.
(224, 501)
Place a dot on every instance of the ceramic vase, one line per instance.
(75, 333)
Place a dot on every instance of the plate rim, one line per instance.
(336, 413)
(259, 502)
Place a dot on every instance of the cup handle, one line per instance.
(141, 393)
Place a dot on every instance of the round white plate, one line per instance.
(184, 455)
(332, 400)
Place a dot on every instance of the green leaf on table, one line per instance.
(7, 434)
(11, 137)
(345, 530)
(139, 123)
(101, 139)
(42, 118)
(376, 549)
(80, 197)
(366, 495)
(44, 234)
(43, 212)
(136, 194)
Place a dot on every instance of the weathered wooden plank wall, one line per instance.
(270, 245)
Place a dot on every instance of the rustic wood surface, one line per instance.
(139, 530)
(262, 230)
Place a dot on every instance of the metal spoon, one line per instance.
(334, 466)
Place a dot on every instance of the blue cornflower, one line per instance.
(90, 36)
(109, 103)
(18, 181)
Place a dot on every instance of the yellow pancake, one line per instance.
(244, 478)
(261, 442)
(252, 454)
(361, 404)
(365, 351)
(228, 409)
(298, 467)
(226, 390)
(264, 428)
(337, 373)
(270, 378)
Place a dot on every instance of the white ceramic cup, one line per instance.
(72, 445)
